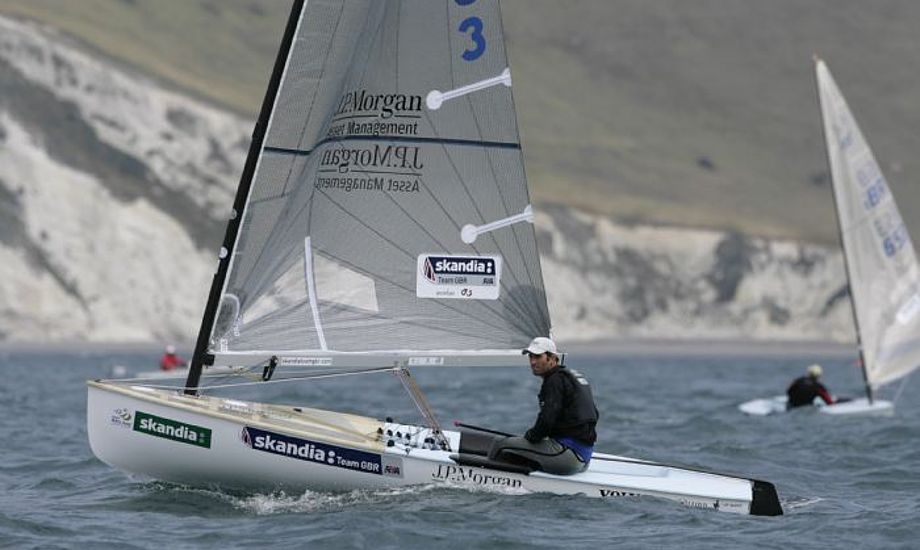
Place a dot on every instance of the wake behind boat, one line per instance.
(383, 222)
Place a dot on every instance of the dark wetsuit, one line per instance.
(803, 391)
(561, 441)
(566, 408)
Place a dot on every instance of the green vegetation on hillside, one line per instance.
(221, 50)
(684, 113)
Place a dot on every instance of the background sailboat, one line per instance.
(881, 263)
(383, 222)
(880, 257)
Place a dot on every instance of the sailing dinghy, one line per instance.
(382, 222)
(881, 263)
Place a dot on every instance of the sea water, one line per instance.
(843, 482)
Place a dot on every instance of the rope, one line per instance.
(241, 371)
(900, 389)
(422, 404)
(405, 377)
(257, 379)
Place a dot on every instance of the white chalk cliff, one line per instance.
(114, 192)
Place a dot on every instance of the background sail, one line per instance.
(369, 167)
(882, 264)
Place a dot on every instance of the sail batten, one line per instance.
(881, 261)
(398, 139)
(381, 147)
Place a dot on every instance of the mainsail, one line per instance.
(385, 211)
(881, 261)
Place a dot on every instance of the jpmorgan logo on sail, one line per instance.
(458, 277)
(403, 158)
(382, 105)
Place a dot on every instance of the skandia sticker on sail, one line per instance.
(172, 429)
(311, 451)
(458, 277)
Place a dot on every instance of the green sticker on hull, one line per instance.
(171, 429)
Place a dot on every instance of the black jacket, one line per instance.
(803, 391)
(566, 408)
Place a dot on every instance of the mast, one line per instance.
(200, 358)
(846, 264)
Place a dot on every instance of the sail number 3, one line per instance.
(473, 26)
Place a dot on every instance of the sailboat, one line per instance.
(881, 263)
(382, 223)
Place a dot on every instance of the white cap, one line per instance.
(539, 346)
(170, 349)
(815, 371)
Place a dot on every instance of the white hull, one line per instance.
(861, 406)
(233, 444)
(777, 405)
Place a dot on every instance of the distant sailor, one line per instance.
(170, 360)
(805, 389)
(561, 440)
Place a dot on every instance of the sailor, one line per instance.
(170, 360)
(561, 440)
(805, 389)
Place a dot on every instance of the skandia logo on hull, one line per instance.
(311, 451)
(457, 265)
(172, 429)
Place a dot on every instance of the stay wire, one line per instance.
(900, 390)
